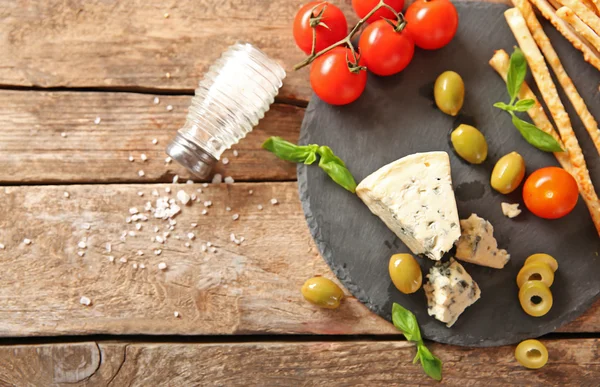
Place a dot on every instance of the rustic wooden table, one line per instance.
(242, 320)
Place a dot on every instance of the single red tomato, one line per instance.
(384, 50)
(432, 23)
(363, 7)
(332, 80)
(333, 17)
(550, 193)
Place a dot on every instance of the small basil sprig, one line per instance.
(406, 322)
(517, 71)
(307, 154)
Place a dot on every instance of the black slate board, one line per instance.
(395, 117)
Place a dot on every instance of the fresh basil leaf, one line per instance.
(536, 137)
(517, 70)
(336, 168)
(430, 363)
(406, 322)
(503, 106)
(523, 105)
(291, 152)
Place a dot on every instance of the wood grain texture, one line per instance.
(32, 149)
(99, 43)
(571, 362)
(248, 289)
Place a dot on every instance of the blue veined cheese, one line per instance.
(413, 196)
(450, 290)
(477, 244)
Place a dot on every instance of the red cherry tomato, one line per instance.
(363, 7)
(332, 80)
(384, 50)
(550, 193)
(333, 17)
(432, 23)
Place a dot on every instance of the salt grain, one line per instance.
(225, 161)
(66, 194)
(205, 185)
(156, 100)
(123, 260)
(1, 246)
(108, 247)
(111, 259)
(250, 192)
(140, 253)
(142, 266)
(194, 225)
(82, 245)
(227, 208)
(260, 207)
(183, 197)
(208, 244)
(191, 236)
(141, 173)
(86, 226)
(175, 179)
(156, 229)
(274, 201)
(169, 108)
(235, 216)
(207, 203)
(217, 178)
(157, 252)
(193, 197)
(131, 233)
(189, 182)
(162, 266)
(154, 141)
(213, 250)
(143, 157)
(85, 301)
(131, 158)
(159, 239)
(128, 219)
(229, 180)
(187, 244)
(63, 134)
(204, 212)
(134, 265)
(154, 192)
(97, 120)
(203, 248)
(168, 160)
(138, 226)
(176, 314)
(81, 253)
(235, 153)
(167, 190)
(133, 210)
(168, 75)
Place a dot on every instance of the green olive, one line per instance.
(322, 292)
(545, 258)
(449, 92)
(535, 298)
(508, 173)
(405, 273)
(531, 354)
(536, 271)
(469, 143)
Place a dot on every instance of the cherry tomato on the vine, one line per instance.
(363, 7)
(432, 23)
(332, 80)
(550, 193)
(384, 50)
(333, 17)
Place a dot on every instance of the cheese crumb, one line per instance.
(229, 180)
(85, 301)
(217, 178)
(162, 266)
(225, 161)
(510, 210)
(143, 157)
(66, 194)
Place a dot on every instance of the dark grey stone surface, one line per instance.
(395, 117)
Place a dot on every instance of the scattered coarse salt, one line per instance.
(97, 120)
(63, 134)
(111, 258)
(128, 219)
(138, 226)
(141, 173)
(213, 249)
(189, 182)
(131, 233)
(191, 236)
(154, 141)
(134, 265)
(123, 260)
(142, 266)
(168, 75)
(194, 225)
(207, 203)
(232, 237)
(225, 161)
(176, 314)
(143, 157)
(159, 239)
(154, 192)
(260, 207)
(131, 158)
(140, 253)
(183, 197)
(84, 239)
(157, 251)
(169, 108)
(193, 197)
(177, 237)
(82, 245)
(227, 208)
(205, 185)
(66, 194)
(172, 222)
(162, 266)
(250, 192)
(156, 100)
(203, 248)
(140, 193)
(235, 216)
(2, 246)
(229, 180)
(199, 190)
(235, 153)
(86, 226)
(175, 179)
(156, 229)
(133, 210)
(204, 212)
(171, 201)
(167, 190)
(171, 228)
(168, 160)
(274, 201)
(217, 178)
(187, 244)
(108, 247)
(166, 16)
(81, 253)
(85, 301)
(208, 244)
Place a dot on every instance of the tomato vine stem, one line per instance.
(347, 41)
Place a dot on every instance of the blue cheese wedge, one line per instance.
(477, 244)
(450, 290)
(413, 196)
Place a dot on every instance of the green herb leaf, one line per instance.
(536, 137)
(523, 105)
(291, 152)
(406, 322)
(503, 106)
(336, 168)
(430, 363)
(517, 70)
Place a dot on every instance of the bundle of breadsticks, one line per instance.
(531, 39)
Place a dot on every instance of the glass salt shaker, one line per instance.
(232, 97)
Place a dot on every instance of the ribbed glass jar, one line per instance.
(232, 97)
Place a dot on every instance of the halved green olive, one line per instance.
(322, 292)
(531, 354)
(469, 143)
(405, 273)
(536, 271)
(535, 298)
(545, 258)
(449, 92)
(508, 173)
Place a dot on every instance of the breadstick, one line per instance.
(552, 58)
(590, 54)
(590, 5)
(583, 29)
(597, 4)
(542, 77)
(587, 16)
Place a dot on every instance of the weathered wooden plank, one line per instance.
(246, 289)
(32, 148)
(572, 362)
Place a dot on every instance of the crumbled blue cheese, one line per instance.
(477, 244)
(450, 290)
(413, 196)
(510, 210)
